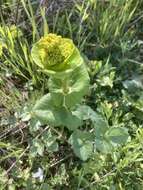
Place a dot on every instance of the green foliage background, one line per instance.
(108, 145)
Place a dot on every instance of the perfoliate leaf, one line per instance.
(45, 112)
(70, 90)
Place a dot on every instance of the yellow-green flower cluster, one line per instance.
(54, 53)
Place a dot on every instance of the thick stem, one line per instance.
(65, 86)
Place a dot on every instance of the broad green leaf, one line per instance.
(68, 119)
(81, 144)
(84, 112)
(103, 146)
(44, 103)
(57, 117)
(45, 112)
(117, 135)
(135, 84)
(47, 117)
(79, 86)
(101, 126)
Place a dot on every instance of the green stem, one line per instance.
(65, 86)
